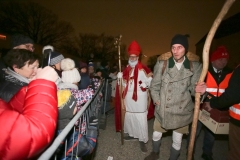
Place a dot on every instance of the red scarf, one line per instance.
(126, 74)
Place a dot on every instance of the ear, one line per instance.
(15, 68)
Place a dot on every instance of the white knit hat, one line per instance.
(69, 73)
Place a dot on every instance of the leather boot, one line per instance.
(174, 154)
(143, 147)
(154, 155)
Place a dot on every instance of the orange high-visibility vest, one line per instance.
(212, 86)
(234, 111)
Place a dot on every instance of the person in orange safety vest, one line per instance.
(216, 82)
(231, 97)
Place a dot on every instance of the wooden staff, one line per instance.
(118, 43)
(206, 48)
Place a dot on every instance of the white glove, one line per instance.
(143, 85)
(47, 47)
(119, 75)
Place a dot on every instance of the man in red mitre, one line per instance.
(136, 79)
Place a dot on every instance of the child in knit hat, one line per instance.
(70, 79)
(70, 74)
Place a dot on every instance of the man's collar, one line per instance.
(186, 62)
(216, 70)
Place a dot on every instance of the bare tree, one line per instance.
(34, 21)
(87, 44)
(152, 61)
(101, 46)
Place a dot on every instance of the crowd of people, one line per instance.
(75, 84)
(67, 84)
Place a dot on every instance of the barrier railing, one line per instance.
(96, 107)
(91, 108)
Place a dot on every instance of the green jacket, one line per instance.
(173, 89)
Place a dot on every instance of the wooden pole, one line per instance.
(118, 43)
(206, 48)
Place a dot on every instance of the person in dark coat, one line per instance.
(20, 41)
(2, 66)
(85, 79)
(104, 67)
(55, 62)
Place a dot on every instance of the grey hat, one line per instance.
(19, 39)
(56, 58)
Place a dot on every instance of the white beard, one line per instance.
(132, 63)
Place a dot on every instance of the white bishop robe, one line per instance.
(135, 122)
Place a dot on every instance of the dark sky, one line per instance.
(152, 23)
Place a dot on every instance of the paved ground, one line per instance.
(109, 144)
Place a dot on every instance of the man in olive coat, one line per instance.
(171, 89)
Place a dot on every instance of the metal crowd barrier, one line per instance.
(91, 108)
(106, 103)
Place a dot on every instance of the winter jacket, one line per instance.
(2, 66)
(173, 89)
(231, 96)
(85, 81)
(95, 83)
(12, 84)
(28, 121)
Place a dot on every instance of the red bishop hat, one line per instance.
(134, 48)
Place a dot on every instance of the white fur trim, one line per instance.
(47, 47)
